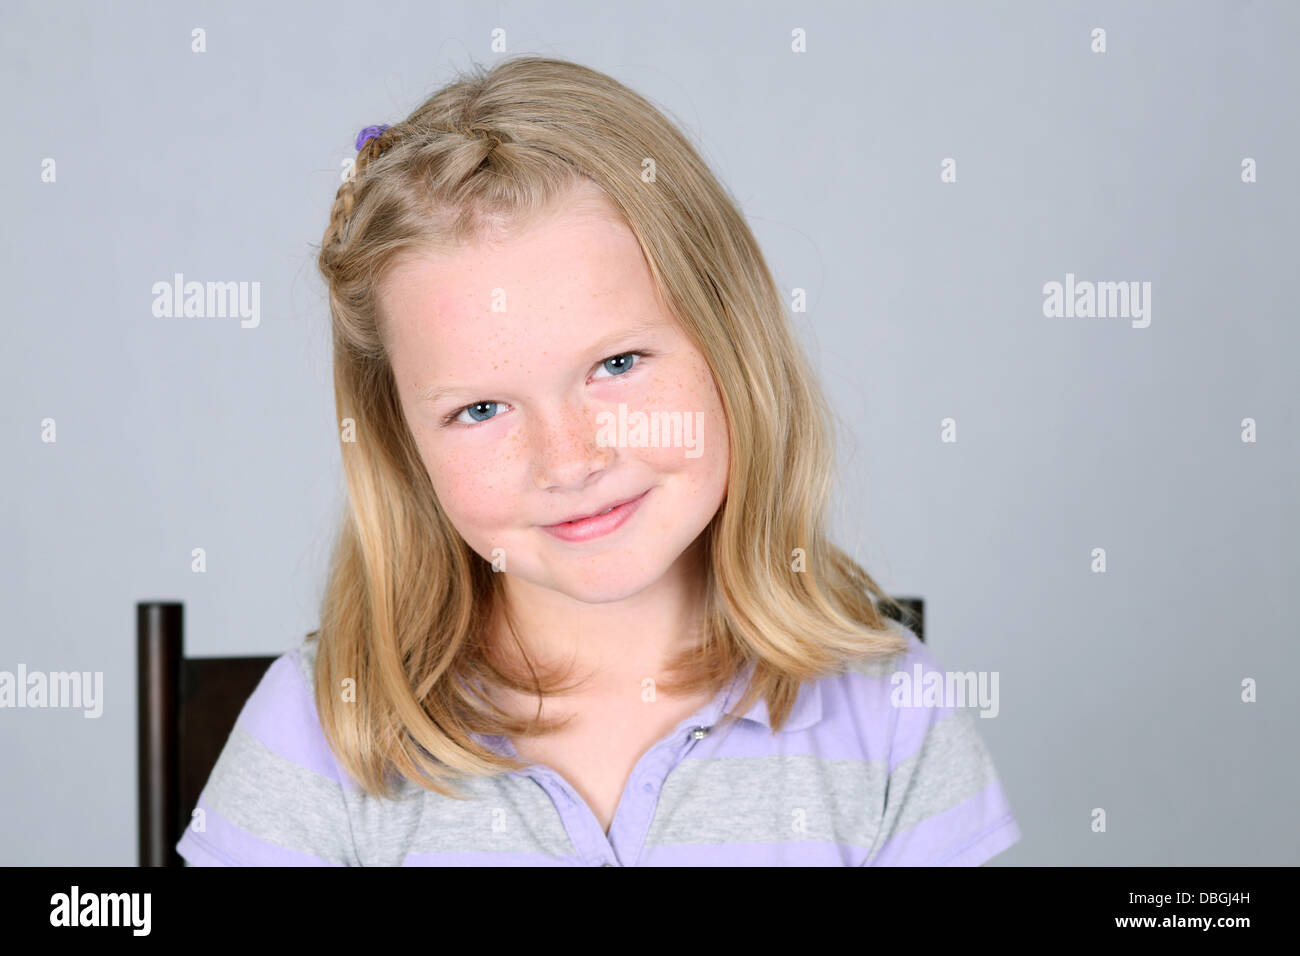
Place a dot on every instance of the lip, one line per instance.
(597, 525)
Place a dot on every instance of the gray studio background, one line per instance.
(1118, 690)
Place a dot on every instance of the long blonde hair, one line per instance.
(403, 657)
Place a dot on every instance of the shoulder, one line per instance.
(275, 796)
(894, 683)
(861, 696)
(942, 802)
(281, 716)
(883, 667)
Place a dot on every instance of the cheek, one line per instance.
(474, 481)
(703, 462)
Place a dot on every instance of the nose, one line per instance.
(566, 453)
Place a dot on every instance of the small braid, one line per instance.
(345, 198)
(372, 149)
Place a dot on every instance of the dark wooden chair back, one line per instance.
(913, 614)
(187, 708)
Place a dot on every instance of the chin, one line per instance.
(602, 592)
(599, 579)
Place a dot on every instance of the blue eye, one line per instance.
(618, 364)
(473, 410)
(479, 411)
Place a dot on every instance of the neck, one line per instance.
(614, 645)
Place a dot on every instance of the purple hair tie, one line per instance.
(369, 133)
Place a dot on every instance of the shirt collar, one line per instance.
(806, 712)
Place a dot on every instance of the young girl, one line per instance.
(583, 608)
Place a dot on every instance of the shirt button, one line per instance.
(699, 732)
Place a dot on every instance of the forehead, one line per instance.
(575, 272)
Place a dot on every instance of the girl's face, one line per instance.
(524, 368)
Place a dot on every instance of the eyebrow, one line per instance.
(432, 394)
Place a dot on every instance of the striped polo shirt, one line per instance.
(850, 780)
